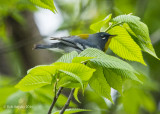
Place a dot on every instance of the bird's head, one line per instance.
(104, 36)
(102, 39)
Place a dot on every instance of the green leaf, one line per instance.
(76, 94)
(67, 58)
(140, 31)
(119, 67)
(80, 70)
(81, 59)
(71, 111)
(47, 4)
(30, 82)
(143, 41)
(124, 46)
(126, 19)
(105, 61)
(37, 77)
(126, 74)
(92, 52)
(73, 75)
(98, 25)
(113, 63)
(42, 69)
(99, 84)
(114, 80)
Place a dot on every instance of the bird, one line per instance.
(78, 43)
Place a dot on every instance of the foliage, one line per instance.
(92, 67)
(132, 37)
(47, 4)
(77, 74)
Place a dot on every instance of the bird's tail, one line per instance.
(41, 46)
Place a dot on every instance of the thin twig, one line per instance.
(55, 99)
(68, 101)
(113, 25)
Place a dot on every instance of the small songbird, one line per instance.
(78, 43)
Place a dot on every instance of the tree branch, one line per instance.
(68, 101)
(55, 99)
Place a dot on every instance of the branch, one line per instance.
(68, 101)
(55, 99)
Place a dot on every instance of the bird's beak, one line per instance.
(111, 36)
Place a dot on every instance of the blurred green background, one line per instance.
(19, 32)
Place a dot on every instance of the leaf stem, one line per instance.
(68, 101)
(113, 25)
(55, 99)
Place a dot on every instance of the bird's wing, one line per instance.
(77, 42)
(69, 41)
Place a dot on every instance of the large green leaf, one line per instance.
(92, 52)
(140, 30)
(30, 82)
(126, 19)
(73, 76)
(120, 68)
(42, 69)
(126, 74)
(139, 37)
(105, 61)
(124, 46)
(47, 4)
(99, 84)
(81, 59)
(37, 77)
(43, 75)
(112, 63)
(99, 25)
(80, 70)
(114, 80)
(71, 111)
(67, 58)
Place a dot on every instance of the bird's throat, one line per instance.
(107, 44)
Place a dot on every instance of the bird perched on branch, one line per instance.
(78, 43)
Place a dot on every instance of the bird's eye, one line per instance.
(104, 38)
(102, 35)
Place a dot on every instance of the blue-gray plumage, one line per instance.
(79, 42)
